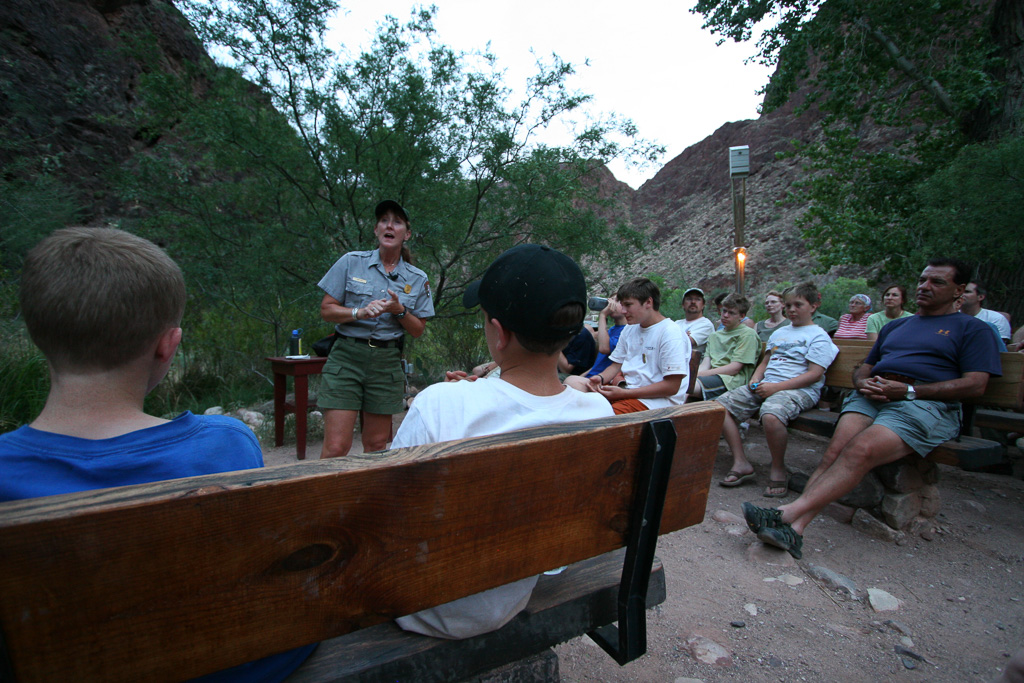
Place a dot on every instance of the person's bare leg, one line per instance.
(849, 426)
(731, 432)
(577, 382)
(777, 436)
(875, 446)
(376, 432)
(338, 428)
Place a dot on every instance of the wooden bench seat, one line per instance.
(562, 607)
(1001, 420)
(171, 580)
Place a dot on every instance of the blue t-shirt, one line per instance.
(36, 463)
(581, 351)
(602, 358)
(935, 348)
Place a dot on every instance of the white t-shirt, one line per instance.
(998, 319)
(651, 354)
(793, 349)
(700, 329)
(457, 410)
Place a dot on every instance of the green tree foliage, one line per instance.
(413, 120)
(265, 173)
(978, 195)
(258, 201)
(904, 90)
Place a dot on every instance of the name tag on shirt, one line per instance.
(359, 279)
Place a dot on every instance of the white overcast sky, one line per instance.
(649, 60)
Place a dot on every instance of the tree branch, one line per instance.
(931, 86)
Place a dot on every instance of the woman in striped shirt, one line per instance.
(853, 325)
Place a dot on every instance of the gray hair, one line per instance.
(863, 298)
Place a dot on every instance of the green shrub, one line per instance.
(455, 343)
(835, 296)
(24, 380)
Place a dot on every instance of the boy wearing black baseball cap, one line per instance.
(533, 300)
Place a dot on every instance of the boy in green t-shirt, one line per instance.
(733, 352)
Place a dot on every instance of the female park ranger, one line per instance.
(374, 298)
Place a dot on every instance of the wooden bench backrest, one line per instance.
(1006, 391)
(170, 580)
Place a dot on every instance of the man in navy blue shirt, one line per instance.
(907, 400)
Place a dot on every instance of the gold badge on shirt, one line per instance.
(408, 288)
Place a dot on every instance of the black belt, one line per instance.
(375, 343)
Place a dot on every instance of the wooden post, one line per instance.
(739, 215)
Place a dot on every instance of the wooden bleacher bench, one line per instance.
(965, 451)
(171, 580)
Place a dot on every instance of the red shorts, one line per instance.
(628, 405)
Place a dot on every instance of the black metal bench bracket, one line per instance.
(628, 640)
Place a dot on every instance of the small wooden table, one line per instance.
(300, 369)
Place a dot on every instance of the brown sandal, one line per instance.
(738, 479)
(777, 484)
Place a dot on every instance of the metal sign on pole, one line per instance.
(739, 169)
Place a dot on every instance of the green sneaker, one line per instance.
(761, 518)
(783, 537)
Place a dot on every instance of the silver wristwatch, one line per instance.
(911, 394)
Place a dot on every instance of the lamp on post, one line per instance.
(739, 169)
(741, 263)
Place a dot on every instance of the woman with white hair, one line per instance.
(853, 325)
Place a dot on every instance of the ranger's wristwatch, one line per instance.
(399, 316)
(911, 394)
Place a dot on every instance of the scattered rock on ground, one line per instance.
(834, 580)
(251, 418)
(897, 626)
(882, 601)
(973, 505)
(864, 521)
(850, 631)
(708, 651)
(726, 517)
(787, 579)
(761, 553)
(214, 410)
(839, 512)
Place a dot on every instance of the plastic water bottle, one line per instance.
(295, 343)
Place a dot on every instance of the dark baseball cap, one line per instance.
(525, 286)
(393, 206)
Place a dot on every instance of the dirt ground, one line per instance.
(761, 616)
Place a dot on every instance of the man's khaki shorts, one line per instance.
(922, 425)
